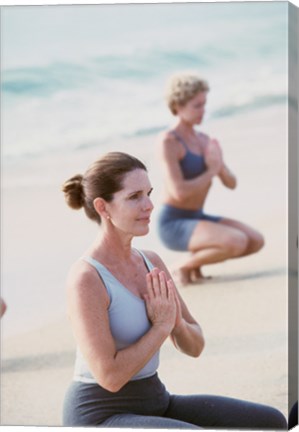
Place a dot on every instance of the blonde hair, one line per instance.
(183, 87)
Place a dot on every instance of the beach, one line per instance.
(78, 81)
(243, 309)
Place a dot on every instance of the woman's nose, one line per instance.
(148, 204)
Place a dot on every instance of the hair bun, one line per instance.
(73, 192)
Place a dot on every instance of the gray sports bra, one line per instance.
(128, 321)
(192, 165)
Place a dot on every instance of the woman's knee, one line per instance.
(265, 417)
(236, 244)
(276, 420)
(257, 242)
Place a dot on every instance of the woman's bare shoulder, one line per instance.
(154, 258)
(80, 271)
(166, 137)
(83, 279)
(203, 137)
(169, 145)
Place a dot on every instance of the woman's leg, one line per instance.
(141, 421)
(222, 412)
(255, 239)
(213, 242)
(293, 416)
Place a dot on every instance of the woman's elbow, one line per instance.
(110, 384)
(230, 183)
(234, 184)
(112, 387)
(109, 380)
(198, 349)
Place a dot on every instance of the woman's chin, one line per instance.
(142, 232)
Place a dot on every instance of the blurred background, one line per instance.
(76, 76)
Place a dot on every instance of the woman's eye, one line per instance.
(139, 195)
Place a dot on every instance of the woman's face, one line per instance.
(131, 207)
(193, 110)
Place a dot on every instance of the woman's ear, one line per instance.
(100, 207)
(175, 109)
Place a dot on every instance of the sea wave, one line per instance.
(42, 81)
(112, 89)
(257, 102)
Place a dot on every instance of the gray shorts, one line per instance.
(175, 226)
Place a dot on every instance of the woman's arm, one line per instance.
(227, 177)
(187, 334)
(88, 304)
(179, 187)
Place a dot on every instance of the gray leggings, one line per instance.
(146, 404)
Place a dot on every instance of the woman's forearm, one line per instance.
(228, 178)
(188, 338)
(126, 363)
(190, 187)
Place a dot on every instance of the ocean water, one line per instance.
(78, 76)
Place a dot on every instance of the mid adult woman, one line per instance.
(122, 305)
(191, 160)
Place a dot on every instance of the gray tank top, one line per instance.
(128, 321)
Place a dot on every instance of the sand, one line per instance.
(243, 310)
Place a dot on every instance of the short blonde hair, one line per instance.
(183, 87)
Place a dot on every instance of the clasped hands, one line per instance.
(162, 302)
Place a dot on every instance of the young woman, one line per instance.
(191, 160)
(123, 304)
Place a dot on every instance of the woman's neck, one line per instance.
(185, 128)
(112, 248)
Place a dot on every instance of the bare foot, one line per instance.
(197, 276)
(185, 276)
(182, 276)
